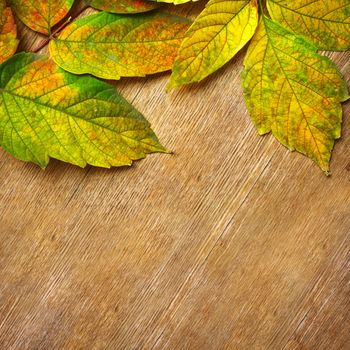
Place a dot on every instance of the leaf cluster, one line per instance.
(55, 107)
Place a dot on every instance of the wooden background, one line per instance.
(231, 243)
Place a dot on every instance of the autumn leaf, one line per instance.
(216, 36)
(47, 112)
(8, 32)
(293, 92)
(325, 22)
(41, 16)
(122, 6)
(111, 46)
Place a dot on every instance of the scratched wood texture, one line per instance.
(231, 243)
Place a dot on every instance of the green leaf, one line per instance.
(8, 32)
(111, 46)
(293, 92)
(325, 22)
(47, 112)
(41, 15)
(216, 36)
(123, 6)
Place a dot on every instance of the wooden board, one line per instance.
(233, 242)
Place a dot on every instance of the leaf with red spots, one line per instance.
(8, 33)
(41, 15)
(46, 112)
(111, 46)
(123, 6)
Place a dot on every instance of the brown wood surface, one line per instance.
(233, 242)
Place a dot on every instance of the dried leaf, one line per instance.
(293, 92)
(325, 22)
(8, 32)
(111, 46)
(41, 16)
(216, 36)
(47, 112)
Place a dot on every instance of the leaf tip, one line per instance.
(324, 167)
(162, 149)
(168, 151)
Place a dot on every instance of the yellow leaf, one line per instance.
(325, 22)
(293, 92)
(218, 33)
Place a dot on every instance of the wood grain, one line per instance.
(233, 242)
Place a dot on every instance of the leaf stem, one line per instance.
(261, 6)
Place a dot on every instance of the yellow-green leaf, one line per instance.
(216, 36)
(325, 22)
(123, 6)
(41, 15)
(8, 32)
(293, 92)
(47, 112)
(111, 46)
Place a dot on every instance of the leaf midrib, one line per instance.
(69, 114)
(296, 97)
(80, 118)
